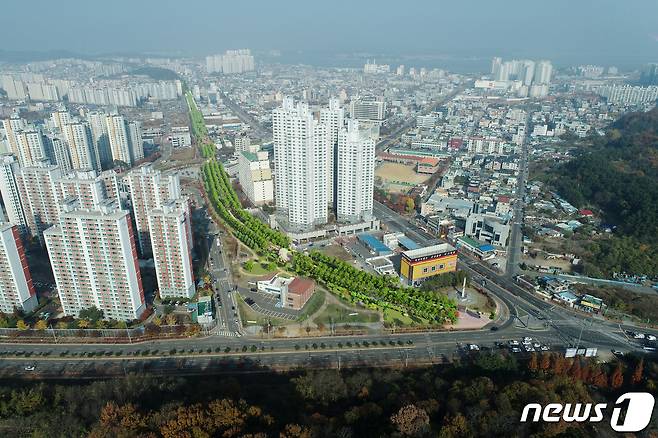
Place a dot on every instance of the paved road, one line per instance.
(516, 233)
(264, 133)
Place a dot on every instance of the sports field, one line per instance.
(398, 177)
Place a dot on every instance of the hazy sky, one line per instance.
(618, 31)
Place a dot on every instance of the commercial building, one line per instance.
(293, 293)
(301, 146)
(255, 176)
(489, 228)
(355, 176)
(368, 110)
(94, 260)
(16, 288)
(172, 248)
(417, 265)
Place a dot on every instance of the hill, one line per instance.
(618, 175)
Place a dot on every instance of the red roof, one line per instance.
(503, 199)
(300, 286)
(585, 212)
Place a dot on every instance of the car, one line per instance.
(639, 336)
(474, 347)
(494, 328)
(651, 338)
(527, 339)
(516, 350)
(529, 348)
(536, 345)
(545, 348)
(514, 342)
(29, 368)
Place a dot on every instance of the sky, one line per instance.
(566, 31)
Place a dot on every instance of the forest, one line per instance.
(480, 395)
(617, 174)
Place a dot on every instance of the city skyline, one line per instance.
(592, 31)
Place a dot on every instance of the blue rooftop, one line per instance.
(407, 243)
(373, 243)
(486, 248)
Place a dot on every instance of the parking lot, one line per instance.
(267, 304)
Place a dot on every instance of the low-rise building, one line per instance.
(420, 264)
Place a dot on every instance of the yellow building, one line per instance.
(419, 264)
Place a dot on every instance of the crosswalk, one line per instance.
(226, 333)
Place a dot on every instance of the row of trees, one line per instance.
(247, 228)
(374, 291)
(199, 128)
(482, 395)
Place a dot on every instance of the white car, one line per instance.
(651, 338)
(516, 350)
(536, 345)
(514, 342)
(527, 339)
(474, 347)
(639, 336)
(529, 348)
(545, 348)
(29, 368)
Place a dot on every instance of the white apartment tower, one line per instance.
(94, 261)
(40, 196)
(99, 135)
(301, 146)
(334, 118)
(172, 248)
(149, 190)
(16, 288)
(255, 176)
(118, 138)
(84, 154)
(355, 174)
(136, 141)
(11, 198)
(30, 147)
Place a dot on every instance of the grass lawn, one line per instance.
(393, 316)
(312, 305)
(258, 269)
(248, 314)
(340, 314)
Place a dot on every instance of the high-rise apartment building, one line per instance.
(87, 186)
(543, 72)
(255, 176)
(355, 173)
(172, 248)
(94, 261)
(40, 196)
(301, 146)
(118, 138)
(82, 148)
(30, 146)
(334, 118)
(136, 141)
(16, 288)
(9, 192)
(233, 61)
(149, 190)
(98, 126)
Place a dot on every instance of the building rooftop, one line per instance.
(300, 285)
(429, 251)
